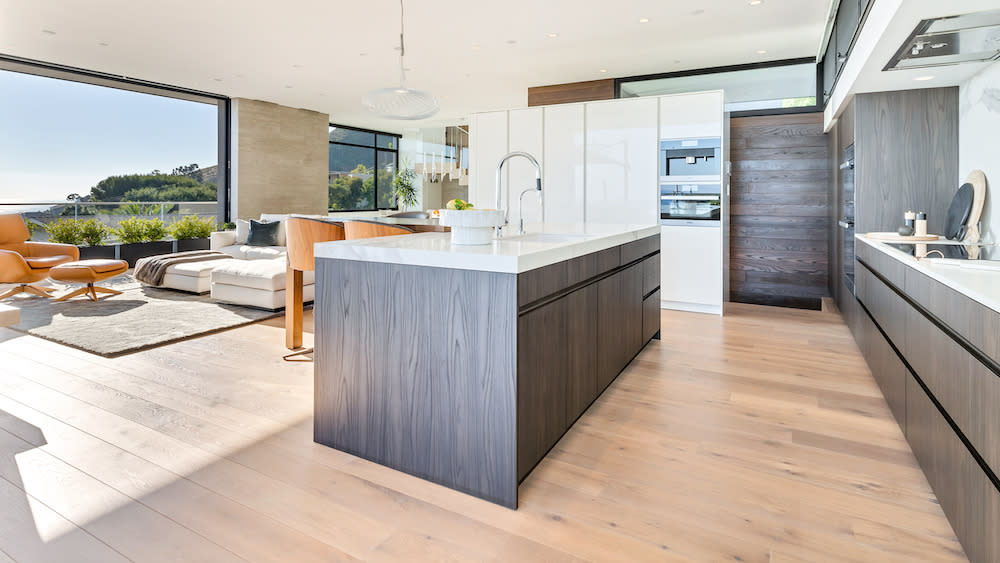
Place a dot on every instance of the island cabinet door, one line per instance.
(619, 322)
(581, 331)
(542, 373)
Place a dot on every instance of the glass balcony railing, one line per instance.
(111, 213)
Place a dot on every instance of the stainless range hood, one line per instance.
(949, 41)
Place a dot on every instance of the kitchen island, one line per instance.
(464, 365)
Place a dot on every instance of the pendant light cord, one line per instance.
(402, 49)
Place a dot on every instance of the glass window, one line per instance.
(107, 153)
(383, 177)
(387, 141)
(776, 87)
(360, 177)
(351, 136)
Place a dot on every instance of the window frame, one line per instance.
(95, 78)
(376, 150)
(818, 106)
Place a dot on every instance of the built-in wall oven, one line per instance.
(691, 181)
(691, 160)
(690, 204)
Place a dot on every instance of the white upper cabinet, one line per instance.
(525, 134)
(621, 155)
(563, 164)
(487, 145)
(696, 115)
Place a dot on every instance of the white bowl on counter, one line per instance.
(471, 226)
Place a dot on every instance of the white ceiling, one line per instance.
(325, 55)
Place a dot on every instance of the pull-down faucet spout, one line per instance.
(538, 186)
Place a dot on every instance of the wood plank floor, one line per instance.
(757, 437)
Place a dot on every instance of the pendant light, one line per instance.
(401, 102)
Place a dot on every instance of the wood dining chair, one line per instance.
(372, 229)
(302, 233)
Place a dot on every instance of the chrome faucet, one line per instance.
(538, 187)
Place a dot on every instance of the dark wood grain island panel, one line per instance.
(415, 370)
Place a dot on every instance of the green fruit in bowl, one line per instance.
(458, 205)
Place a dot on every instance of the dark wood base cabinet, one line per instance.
(468, 378)
(925, 346)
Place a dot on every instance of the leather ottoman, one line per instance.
(88, 272)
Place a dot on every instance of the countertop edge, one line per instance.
(944, 274)
(507, 264)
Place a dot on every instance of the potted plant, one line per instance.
(93, 233)
(192, 233)
(141, 238)
(403, 188)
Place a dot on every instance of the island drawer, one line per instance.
(635, 250)
(542, 282)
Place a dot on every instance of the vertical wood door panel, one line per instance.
(780, 210)
(582, 329)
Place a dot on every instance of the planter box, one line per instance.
(98, 252)
(185, 245)
(133, 252)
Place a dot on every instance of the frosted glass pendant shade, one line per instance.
(401, 103)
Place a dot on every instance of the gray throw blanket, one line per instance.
(151, 270)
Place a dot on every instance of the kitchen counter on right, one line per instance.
(978, 280)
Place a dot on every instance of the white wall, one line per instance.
(979, 140)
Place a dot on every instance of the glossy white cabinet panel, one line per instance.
(563, 164)
(691, 268)
(622, 155)
(487, 145)
(691, 115)
(525, 134)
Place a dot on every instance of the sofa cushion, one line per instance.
(247, 252)
(258, 274)
(279, 218)
(242, 231)
(264, 233)
(195, 269)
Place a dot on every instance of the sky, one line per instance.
(59, 137)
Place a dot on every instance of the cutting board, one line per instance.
(895, 237)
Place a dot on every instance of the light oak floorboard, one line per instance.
(760, 436)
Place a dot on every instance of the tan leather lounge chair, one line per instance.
(24, 262)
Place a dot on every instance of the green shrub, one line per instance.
(228, 226)
(93, 232)
(192, 226)
(65, 231)
(32, 228)
(135, 230)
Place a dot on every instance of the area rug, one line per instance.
(140, 318)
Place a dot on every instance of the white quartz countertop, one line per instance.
(977, 279)
(543, 245)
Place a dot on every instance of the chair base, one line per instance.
(32, 289)
(303, 352)
(90, 290)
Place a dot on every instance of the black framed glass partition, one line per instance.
(362, 165)
(787, 86)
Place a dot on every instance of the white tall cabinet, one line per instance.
(621, 161)
(601, 164)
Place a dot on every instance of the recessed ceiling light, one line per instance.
(643, 20)
(756, 2)
(552, 34)
(761, 51)
(698, 12)
(511, 41)
(287, 86)
(48, 32)
(603, 70)
(103, 44)
(922, 78)
(217, 79)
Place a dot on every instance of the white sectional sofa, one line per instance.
(253, 277)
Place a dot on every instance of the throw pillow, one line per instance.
(242, 231)
(263, 234)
